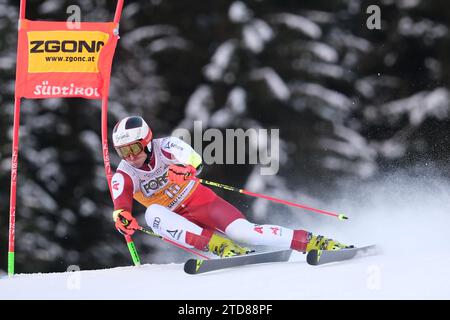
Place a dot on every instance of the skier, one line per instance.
(160, 174)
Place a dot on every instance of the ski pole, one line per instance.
(133, 251)
(152, 233)
(257, 195)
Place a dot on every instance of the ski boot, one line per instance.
(224, 247)
(317, 242)
(305, 241)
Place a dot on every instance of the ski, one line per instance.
(197, 266)
(319, 257)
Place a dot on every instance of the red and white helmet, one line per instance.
(131, 129)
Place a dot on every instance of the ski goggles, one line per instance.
(130, 149)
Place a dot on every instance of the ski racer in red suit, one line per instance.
(158, 174)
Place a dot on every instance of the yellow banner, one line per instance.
(65, 51)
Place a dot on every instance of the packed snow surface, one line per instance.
(407, 217)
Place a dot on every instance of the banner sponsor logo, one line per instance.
(45, 89)
(80, 46)
(65, 51)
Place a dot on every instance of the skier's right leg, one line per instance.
(208, 209)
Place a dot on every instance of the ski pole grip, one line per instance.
(124, 221)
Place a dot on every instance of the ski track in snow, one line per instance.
(407, 217)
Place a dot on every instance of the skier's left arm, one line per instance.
(187, 163)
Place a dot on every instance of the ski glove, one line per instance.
(126, 224)
(179, 173)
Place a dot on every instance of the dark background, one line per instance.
(351, 104)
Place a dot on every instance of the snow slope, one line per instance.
(408, 218)
(376, 277)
